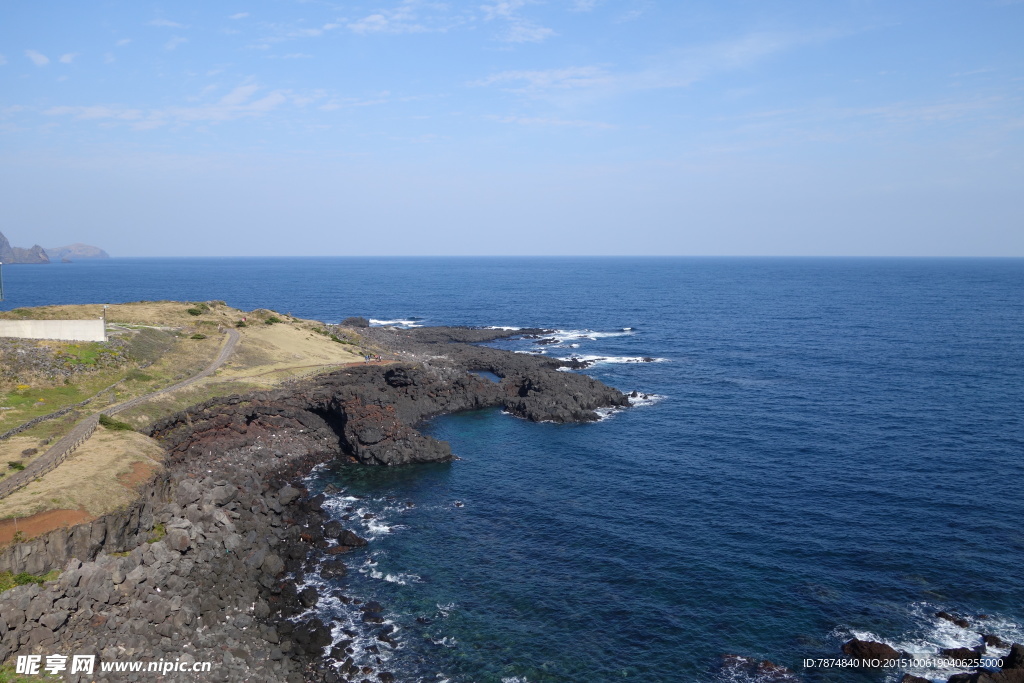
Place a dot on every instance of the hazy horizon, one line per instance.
(515, 127)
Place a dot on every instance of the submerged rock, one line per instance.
(869, 649)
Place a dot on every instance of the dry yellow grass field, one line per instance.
(88, 479)
(100, 475)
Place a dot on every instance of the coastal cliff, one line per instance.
(218, 545)
(9, 254)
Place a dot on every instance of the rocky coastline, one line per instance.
(207, 565)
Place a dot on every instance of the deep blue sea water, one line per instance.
(837, 449)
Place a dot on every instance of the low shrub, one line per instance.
(115, 425)
(15, 465)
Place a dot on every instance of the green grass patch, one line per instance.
(15, 465)
(136, 375)
(241, 323)
(87, 354)
(9, 580)
(8, 675)
(157, 534)
(272, 319)
(115, 425)
(198, 335)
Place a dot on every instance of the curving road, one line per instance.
(84, 429)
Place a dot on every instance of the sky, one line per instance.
(514, 127)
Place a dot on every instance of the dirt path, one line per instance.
(30, 527)
(84, 429)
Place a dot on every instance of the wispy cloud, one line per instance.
(547, 122)
(672, 70)
(584, 5)
(174, 42)
(38, 58)
(292, 32)
(244, 101)
(517, 29)
(166, 23)
(567, 78)
(383, 97)
(240, 15)
(123, 42)
(3, 60)
(293, 55)
(68, 58)
(408, 16)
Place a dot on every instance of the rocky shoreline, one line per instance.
(206, 566)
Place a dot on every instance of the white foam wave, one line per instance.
(932, 634)
(400, 579)
(595, 360)
(561, 339)
(397, 322)
(447, 641)
(645, 399)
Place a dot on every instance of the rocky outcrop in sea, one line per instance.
(204, 567)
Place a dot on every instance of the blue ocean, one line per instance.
(830, 448)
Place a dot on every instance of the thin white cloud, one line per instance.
(350, 103)
(174, 42)
(527, 32)
(123, 41)
(518, 29)
(549, 122)
(567, 78)
(408, 16)
(167, 23)
(293, 55)
(285, 33)
(3, 60)
(240, 15)
(38, 58)
(96, 112)
(673, 70)
(242, 102)
(108, 58)
(584, 5)
(68, 58)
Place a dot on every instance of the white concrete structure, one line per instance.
(65, 330)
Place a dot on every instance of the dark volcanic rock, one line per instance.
(237, 535)
(735, 667)
(370, 411)
(968, 656)
(1014, 660)
(994, 641)
(355, 321)
(907, 678)
(868, 649)
(959, 621)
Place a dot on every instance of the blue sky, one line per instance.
(278, 127)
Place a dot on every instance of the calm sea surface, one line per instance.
(835, 448)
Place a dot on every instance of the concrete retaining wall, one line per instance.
(66, 330)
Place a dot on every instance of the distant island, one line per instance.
(37, 254)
